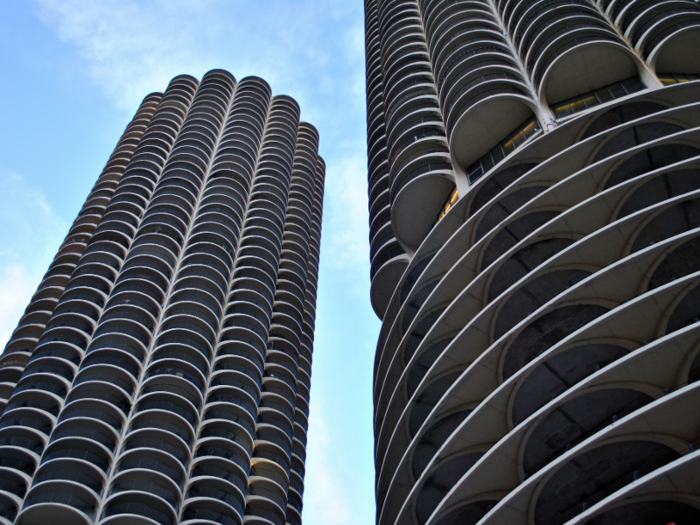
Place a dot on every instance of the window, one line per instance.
(508, 145)
(597, 97)
(451, 200)
(668, 79)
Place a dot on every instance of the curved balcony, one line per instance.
(158, 439)
(655, 448)
(170, 422)
(87, 428)
(138, 508)
(420, 455)
(495, 113)
(229, 506)
(141, 481)
(582, 65)
(151, 460)
(67, 502)
(93, 409)
(672, 50)
(387, 269)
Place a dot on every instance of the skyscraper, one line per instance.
(534, 192)
(161, 372)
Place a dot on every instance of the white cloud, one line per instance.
(16, 288)
(132, 48)
(32, 228)
(325, 496)
(346, 206)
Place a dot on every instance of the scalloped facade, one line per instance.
(161, 372)
(534, 170)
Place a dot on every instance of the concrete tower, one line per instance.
(161, 372)
(534, 186)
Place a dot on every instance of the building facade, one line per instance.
(161, 372)
(534, 195)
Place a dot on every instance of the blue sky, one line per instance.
(73, 74)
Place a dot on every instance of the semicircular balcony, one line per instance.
(604, 153)
(387, 268)
(107, 392)
(505, 115)
(158, 439)
(232, 414)
(153, 482)
(200, 498)
(223, 471)
(137, 507)
(48, 364)
(162, 401)
(469, 47)
(150, 460)
(93, 409)
(472, 89)
(59, 500)
(89, 428)
(595, 356)
(421, 180)
(176, 371)
(166, 421)
(668, 46)
(450, 18)
(583, 61)
(536, 35)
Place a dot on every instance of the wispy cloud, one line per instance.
(133, 47)
(348, 215)
(326, 494)
(32, 228)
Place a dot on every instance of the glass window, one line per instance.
(577, 105)
(603, 95)
(600, 96)
(590, 100)
(497, 154)
(563, 110)
(512, 141)
(617, 91)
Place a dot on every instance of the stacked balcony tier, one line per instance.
(168, 386)
(420, 170)
(665, 33)
(43, 303)
(387, 257)
(541, 356)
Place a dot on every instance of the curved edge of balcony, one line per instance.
(677, 53)
(384, 282)
(587, 67)
(494, 117)
(417, 205)
(51, 513)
